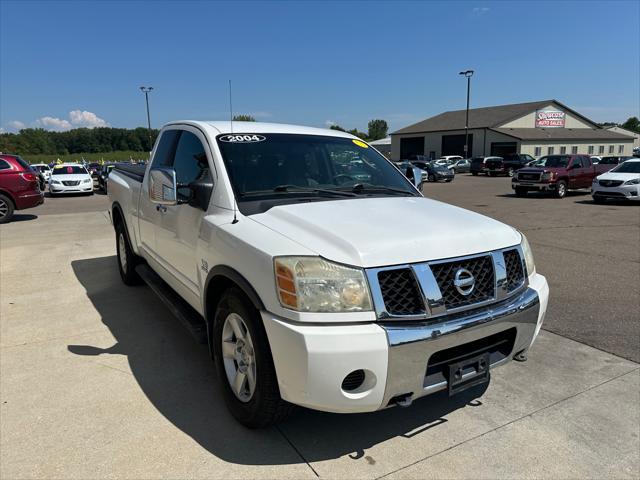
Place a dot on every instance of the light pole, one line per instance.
(468, 74)
(146, 91)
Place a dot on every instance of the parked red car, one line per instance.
(557, 174)
(19, 186)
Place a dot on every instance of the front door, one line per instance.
(576, 173)
(179, 227)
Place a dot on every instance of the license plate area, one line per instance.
(469, 373)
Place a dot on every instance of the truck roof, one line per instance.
(224, 126)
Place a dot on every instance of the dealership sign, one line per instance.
(549, 118)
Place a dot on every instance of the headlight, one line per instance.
(635, 181)
(595, 180)
(312, 284)
(56, 182)
(86, 180)
(528, 255)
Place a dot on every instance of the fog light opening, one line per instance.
(353, 381)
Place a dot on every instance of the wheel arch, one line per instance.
(7, 194)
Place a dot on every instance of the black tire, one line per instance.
(492, 174)
(475, 174)
(431, 178)
(449, 180)
(6, 209)
(561, 189)
(597, 199)
(521, 192)
(265, 406)
(127, 267)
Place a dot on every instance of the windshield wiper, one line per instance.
(300, 189)
(367, 187)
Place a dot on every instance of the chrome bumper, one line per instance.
(411, 344)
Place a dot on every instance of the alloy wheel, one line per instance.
(238, 356)
(4, 208)
(122, 250)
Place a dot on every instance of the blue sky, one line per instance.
(70, 64)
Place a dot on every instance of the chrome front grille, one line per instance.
(532, 177)
(610, 183)
(432, 289)
(400, 292)
(71, 183)
(482, 270)
(515, 269)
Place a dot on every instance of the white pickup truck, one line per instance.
(317, 273)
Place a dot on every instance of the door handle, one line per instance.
(161, 208)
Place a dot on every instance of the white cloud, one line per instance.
(480, 10)
(77, 119)
(86, 119)
(15, 125)
(53, 123)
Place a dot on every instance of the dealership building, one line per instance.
(537, 128)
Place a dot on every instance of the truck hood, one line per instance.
(542, 169)
(374, 232)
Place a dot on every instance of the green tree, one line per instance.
(337, 127)
(358, 134)
(377, 129)
(632, 124)
(243, 118)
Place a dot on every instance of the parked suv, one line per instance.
(19, 186)
(508, 164)
(479, 164)
(557, 174)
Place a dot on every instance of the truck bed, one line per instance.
(135, 172)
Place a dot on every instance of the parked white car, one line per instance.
(620, 183)
(44, 169)
(595, 159)
(313, 287)
(70, 178)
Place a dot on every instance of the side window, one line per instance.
(190, 162)
(4, 165)
(586, 161)
(577, 162)
(167, 145)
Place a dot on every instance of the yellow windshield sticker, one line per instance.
(360, 143)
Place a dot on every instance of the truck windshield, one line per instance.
(266, 166)
(553, 161)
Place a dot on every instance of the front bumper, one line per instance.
(623, 192)
(80, 188)
(311, 361)
(539, 186)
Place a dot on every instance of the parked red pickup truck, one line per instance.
(557, 174)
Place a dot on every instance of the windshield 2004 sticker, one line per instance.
(242, 138)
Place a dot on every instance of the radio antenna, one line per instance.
(235, 202)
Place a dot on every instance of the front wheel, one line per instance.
(244, 364)
(127, 260)
(475, 174)
(521, 192)
(561, 189)
(431, 178)
(597, 199)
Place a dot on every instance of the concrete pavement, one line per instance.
(97, 380)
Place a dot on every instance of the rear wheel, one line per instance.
(561, 189)
(6, 209)
(244, 364)
(521, 192)
(431, 177)
(127, 260)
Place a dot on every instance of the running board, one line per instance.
(188, 317)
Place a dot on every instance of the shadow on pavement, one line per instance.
(178, 378)
(547, 195)
(22, 217)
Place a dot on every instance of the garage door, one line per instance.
(454, 145)
(500, 149)
(411, 146)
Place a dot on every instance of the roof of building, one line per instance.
(630, 132)
(485, 117)
(382, 141)
(562, 134)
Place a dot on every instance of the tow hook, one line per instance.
(403, 400)
(520, 356)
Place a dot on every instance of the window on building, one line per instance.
(601, 149)
(549, 150)
(563, 150)
(610, 148)
(574, 149)
(591, 149)
(620, 148)
(537, 151)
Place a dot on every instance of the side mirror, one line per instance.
(162, 186)
(201, 191)
(415, 175)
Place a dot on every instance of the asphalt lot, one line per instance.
(97, 380)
